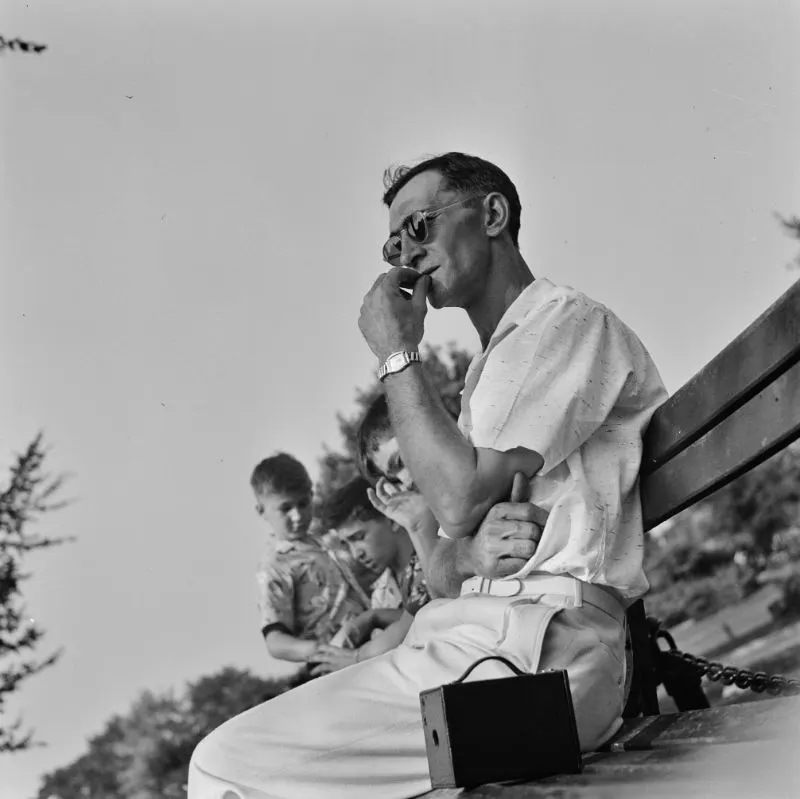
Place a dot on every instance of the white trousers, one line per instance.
(357, 733)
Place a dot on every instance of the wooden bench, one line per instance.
(743, 407)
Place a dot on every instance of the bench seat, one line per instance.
(742, 751)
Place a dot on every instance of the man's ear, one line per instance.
(497, 213)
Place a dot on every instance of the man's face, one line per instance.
(372, 542)
(456, 246)
(287, 514)
(387, 460)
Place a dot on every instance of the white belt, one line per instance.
(538, 584)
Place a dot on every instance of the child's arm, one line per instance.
(391, 637)
(332, 658)
(284, 646)
(276, 601)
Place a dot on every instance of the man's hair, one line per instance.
(375, 428)
(349, 503)
(281, 473)
(464, 173)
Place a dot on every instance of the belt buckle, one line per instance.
(509, 587)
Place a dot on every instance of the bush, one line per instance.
(695, 598)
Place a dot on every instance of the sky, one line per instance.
(190, 215)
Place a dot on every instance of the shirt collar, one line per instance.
(528, 299)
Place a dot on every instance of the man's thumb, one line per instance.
(520, 488)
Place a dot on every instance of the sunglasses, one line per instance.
(416, 227)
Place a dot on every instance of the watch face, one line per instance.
(396, 362)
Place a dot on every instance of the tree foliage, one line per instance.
(30, 492)
(762, 502)
(710, 555)
(791, 226)
(145, 753)
(446, 370)
(21, 44)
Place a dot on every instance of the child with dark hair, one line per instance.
(392, 490)
(305, 592)
(385, 549)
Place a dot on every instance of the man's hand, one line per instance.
(390, 320)
(329, 658)
(508, 535)
(406, 508)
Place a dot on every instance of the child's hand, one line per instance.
(357, 630)
(329, 658)
(406, 508)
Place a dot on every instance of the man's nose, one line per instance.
(410, 250)
(294, 515)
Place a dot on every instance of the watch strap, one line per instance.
(398, 361)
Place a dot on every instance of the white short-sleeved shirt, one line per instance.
(564, 377)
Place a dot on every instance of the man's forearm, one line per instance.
(441, 459)
(450, 564)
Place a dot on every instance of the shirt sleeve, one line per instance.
(276, 596)
(414, 587)
(549, 384)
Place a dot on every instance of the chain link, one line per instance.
(758, 681)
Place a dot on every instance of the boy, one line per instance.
(386, 550)
(305, 593)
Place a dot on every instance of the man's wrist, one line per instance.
(397, 362)
(464, 563)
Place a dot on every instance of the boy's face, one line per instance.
(387, 460)
(287, 514)
(372, 542)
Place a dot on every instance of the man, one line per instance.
(561, 392)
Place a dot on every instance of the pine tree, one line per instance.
(29, 494)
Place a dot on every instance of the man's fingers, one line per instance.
(525, 532)
(520, 488)
(505, 566)
(419, 297)
(402, 276)
(523, 548)
(520, 512)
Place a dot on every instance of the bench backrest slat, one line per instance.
(759, 428)
(755, 358)
(736, 412)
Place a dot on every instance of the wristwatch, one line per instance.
(396, 362)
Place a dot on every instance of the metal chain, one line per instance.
(758, 681)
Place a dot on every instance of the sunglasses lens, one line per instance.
(392, 251)
(417, 227)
